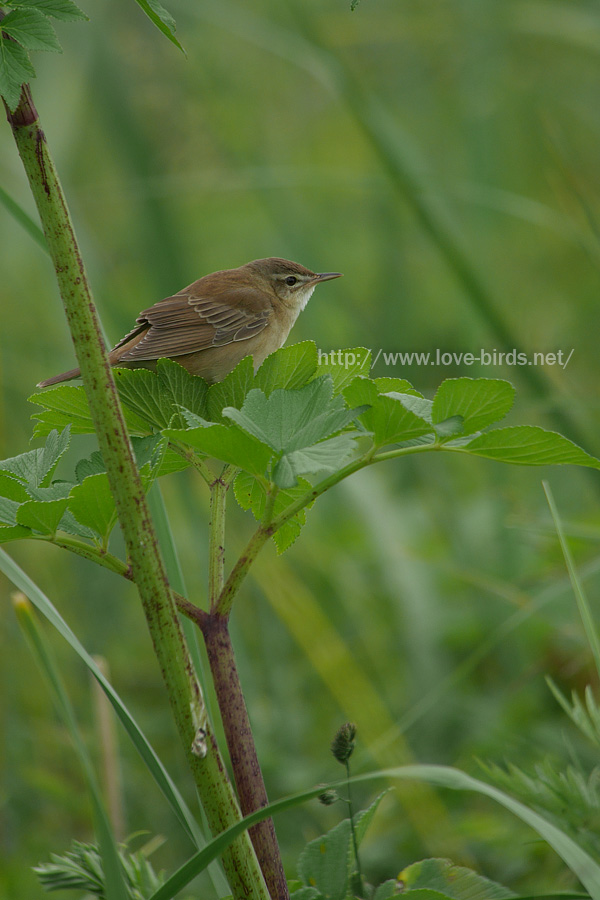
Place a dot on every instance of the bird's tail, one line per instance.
(57, 379)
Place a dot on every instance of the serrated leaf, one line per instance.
(388, 418)
(8, 511)
(230, 445)
(323, 863)
(231, 391)
(67, 405)
(251, 495)
(327, 456)
(292, 420)
(420, 406)
(289, 367)
(456, 882)
(140, 391)
(12, 489)
(31, 29)
(58, 490)
(41, 516)
(58, 9)
(159, 16)
(92, 504)
(35, 467)
(15, 70)
(480, 401)
(529, 445)
(387, 384)
(13, 533)
(344, 366)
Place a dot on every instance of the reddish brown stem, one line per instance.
(242, 751)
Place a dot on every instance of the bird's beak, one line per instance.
(327, 276)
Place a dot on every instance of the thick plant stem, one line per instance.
(147, 568)
(244, 760)
(234, 714)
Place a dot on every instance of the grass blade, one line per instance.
(586, 868)
(580, 596)
(116, 888)
(22, 581)
(24, 219)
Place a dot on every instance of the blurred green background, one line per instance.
(443, 154)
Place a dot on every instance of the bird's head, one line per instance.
(292, 283)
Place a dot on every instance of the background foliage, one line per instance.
(427, 597)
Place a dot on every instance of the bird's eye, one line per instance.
(291, 280)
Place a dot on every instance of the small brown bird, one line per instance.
(209, 326)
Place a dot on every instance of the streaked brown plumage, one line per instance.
(209, 326)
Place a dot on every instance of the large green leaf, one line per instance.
(293, 420)
(58, 9)
(92, 504)
(12, 489)
(41, 515)
(344, 365)
(326, 456)
(15, 69)
(387, 418)
(67, 405)
(156, 397)
(528, 445)
(31, 29)
(479, 401)
(230, 445)
(231, 391)
(35, 467)
(290, 367)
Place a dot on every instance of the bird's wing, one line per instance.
(187, 323)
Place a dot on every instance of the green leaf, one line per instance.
(35, 467)
(344, 366)
(451, 881)
(364, 818)
(387, 890)
(528, 445)
(324, 862)
(15, 70)
(293, 420)
(156, 397)
(13, 533)
(231, 391)
(386, 385)
(480, 401)
(326, 456)
(230, 445)
(12, 489)
(8, 511)
(92, 504)
(251, 495)
(58, 9)
(31, 29)
(161, 18)
(289, 367)
(67, 405)
(42, 515)
(388, 419)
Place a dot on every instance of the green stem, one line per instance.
(146, 565)
(359, 886)
(216, 535)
